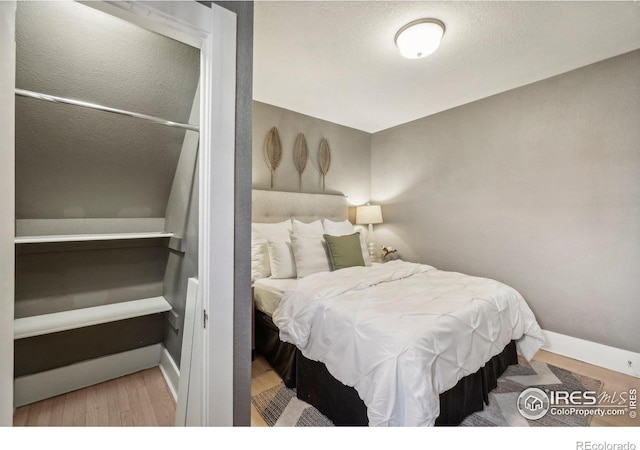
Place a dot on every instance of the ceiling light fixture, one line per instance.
(419, 38)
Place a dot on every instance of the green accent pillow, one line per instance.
(344, 251)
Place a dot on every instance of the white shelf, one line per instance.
(67, 320)
(90, 237)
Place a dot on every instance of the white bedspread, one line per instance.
(402, 333)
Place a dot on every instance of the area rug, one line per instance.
(279, 405)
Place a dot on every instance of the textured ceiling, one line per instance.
(74, 162)
(337, 60)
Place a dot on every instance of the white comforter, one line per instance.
(402, 333)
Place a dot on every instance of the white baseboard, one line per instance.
(593, 353)
(170, 372)
(32, 388)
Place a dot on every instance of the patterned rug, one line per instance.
(279, 406)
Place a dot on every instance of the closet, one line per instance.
(106, 195)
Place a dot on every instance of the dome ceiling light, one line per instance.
(419, 38)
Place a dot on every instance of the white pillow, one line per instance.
(260, 265)
(314, 229)
(282, 260)
(344, 228)
(337, 228)
(273, 232)
(310, 254)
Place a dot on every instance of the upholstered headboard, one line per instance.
(276, 206)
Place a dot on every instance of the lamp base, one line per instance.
(372, 252)
(371, 246)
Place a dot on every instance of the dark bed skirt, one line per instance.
(281, 355)
(342, 404)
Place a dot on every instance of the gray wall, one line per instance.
(182, 266)
(58, 277)
(73, 162)
(242, 257)
(349, 173)
(39, 353)
(537, 187)
(182, 219)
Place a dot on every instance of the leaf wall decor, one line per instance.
(300, 157)
(273, 151)
(324, 159)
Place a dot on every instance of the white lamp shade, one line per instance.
(420, 38)
(368, 214)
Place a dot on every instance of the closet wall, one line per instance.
(88, 172)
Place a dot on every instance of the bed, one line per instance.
(394, 344)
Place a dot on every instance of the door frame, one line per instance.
(213, 31)
(7, 206)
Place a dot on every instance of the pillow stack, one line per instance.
(294, 249)
(271, 251)
(309, 248)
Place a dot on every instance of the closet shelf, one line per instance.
(90, 237)
(67, 320)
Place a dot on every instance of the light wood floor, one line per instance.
(612, 382)
(263, 377)
(143, 398)
(139, 399)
